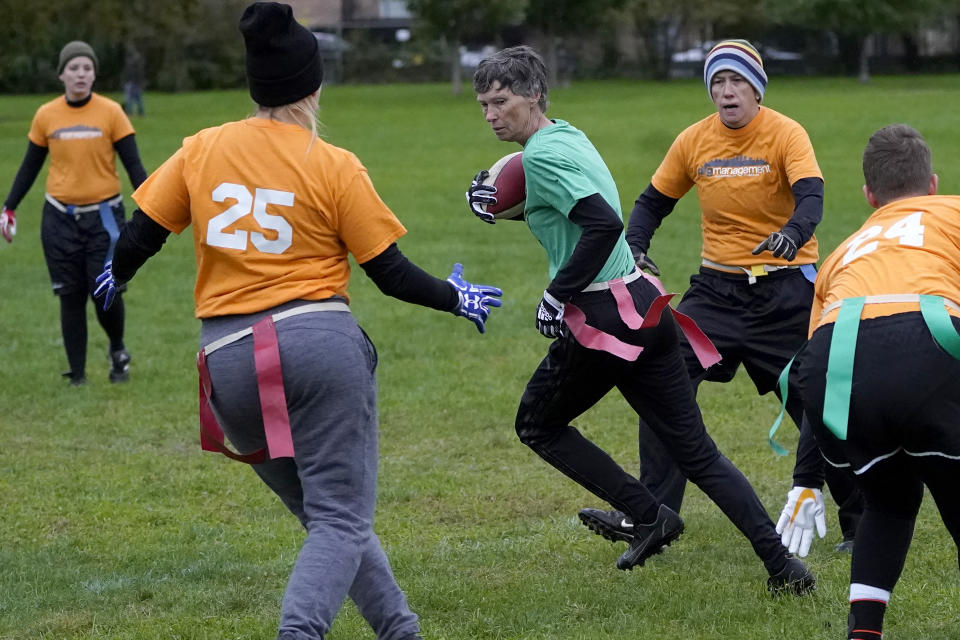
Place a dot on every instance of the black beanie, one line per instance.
(283, 57)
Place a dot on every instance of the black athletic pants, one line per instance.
(760, 326)
(903, 434)
(75, 248)
(572, 378)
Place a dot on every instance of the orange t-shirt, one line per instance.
(83, 166)
(908, 246)
(272, 222)
(743, 179)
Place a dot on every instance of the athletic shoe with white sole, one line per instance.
(844, 547)
(615, 526)
(794, 578)
(119, 366)
(650, 539)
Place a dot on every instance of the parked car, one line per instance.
(470, 58)
(699, 53)
(689, 62)
(330, 42)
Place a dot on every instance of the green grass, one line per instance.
(115, 525)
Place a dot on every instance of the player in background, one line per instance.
(881, 372)
(298, 397)
(82, 132)
(761, 196)
(591, 311)
(133, 79)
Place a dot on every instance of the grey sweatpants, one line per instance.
(329, 378)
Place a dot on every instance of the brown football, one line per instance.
(507, 176)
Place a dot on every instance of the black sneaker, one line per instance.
(615, 526)
(75, 380)
(651, 539)
(119, 366)
(794, 578)
(844, 547)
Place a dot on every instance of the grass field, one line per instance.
(113, 524)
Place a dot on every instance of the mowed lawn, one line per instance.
(113, 524)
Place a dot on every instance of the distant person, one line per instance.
(881, 373)
(761, 197)
(82, 132)
(276, 212)
(610, 326)
(133, 78)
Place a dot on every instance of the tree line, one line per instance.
(186, 44)
(658, 27)
(195, 45)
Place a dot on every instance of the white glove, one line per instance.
(803, 510)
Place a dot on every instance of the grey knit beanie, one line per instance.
(76, 49)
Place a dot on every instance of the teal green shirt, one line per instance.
(561, 166)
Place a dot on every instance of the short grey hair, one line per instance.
(520, 69)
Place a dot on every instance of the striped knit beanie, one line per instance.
(739, 56)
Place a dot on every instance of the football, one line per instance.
(507, 176)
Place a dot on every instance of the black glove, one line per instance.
(780, 244)
(479, 195)
(550, 316)
(644, 262)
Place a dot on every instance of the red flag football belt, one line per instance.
(273, 400)
(593, 338)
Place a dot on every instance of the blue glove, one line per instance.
(479, 195)
(106, 286)
(474, 298)
(779, 244)
(550, 316)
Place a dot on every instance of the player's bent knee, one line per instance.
(534, 433)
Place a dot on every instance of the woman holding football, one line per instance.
(284, 366)
(610, 327)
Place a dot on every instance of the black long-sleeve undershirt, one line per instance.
(126, 148)
(601, 230)
(397, 277)
(807, 208)
(808, 469)
(652, 206)
(140, 239)
(649, 210)
(391, 271)
(29, 169)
